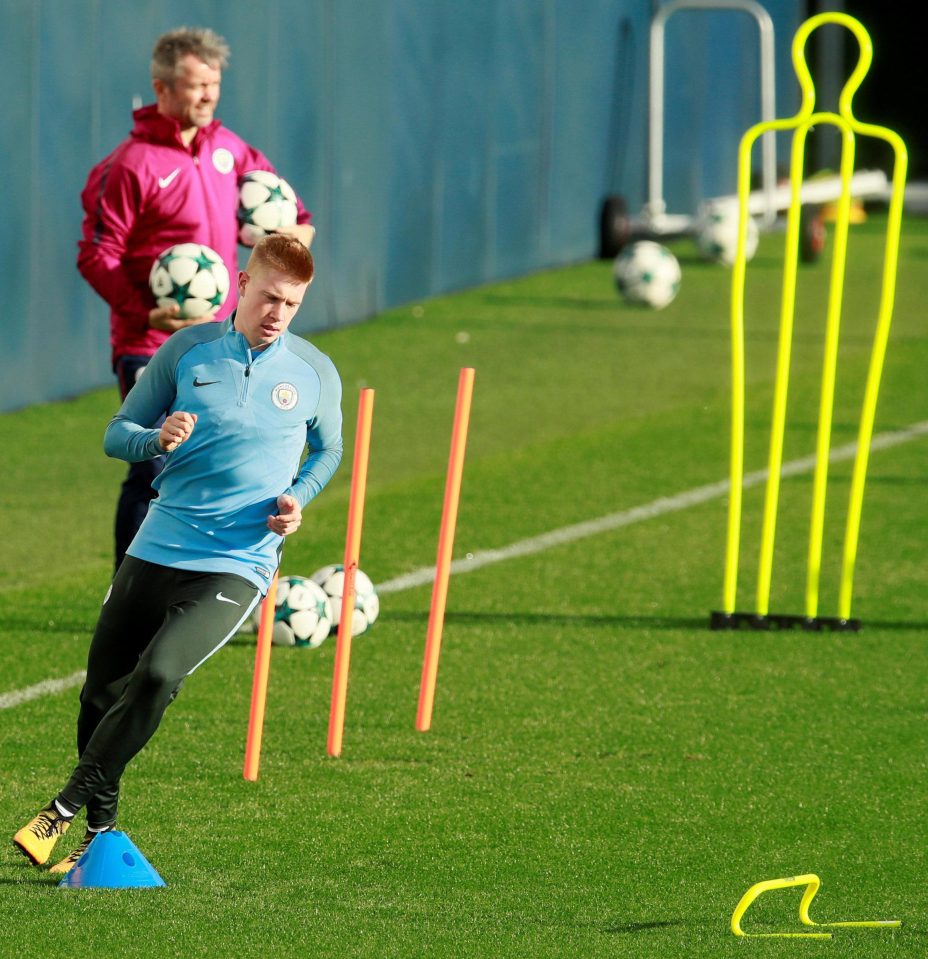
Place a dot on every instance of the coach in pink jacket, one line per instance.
(173, 180)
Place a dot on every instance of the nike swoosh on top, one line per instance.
(164, 181)
(199, 382)
(225, 599)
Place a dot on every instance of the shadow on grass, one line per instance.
(700, 623)
(586, 621)
(641, 926)
(32, 882)
(894, 625)
(562, 619)
(21, 872)
(578, 621)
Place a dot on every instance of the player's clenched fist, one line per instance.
(175, 429)
(288, 518)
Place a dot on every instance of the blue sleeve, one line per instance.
(130, 434)
(323, 437)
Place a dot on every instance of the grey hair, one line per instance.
(172, 47)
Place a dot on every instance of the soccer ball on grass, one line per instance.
(302, 613)
(192, 277)
(366, 601)
(265, 202)
(647, 274)
(718, 233)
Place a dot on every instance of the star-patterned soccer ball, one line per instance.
(302, 613)
(265, 202)
(647, 273)
(192, 277)
(718, 234)
(366, 602)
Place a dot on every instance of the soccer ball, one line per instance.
(265, 202)
(647, 273)
(302, 613)
(191, 276)
(718, 233)
(366, 600)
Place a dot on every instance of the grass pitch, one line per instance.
(604, 776)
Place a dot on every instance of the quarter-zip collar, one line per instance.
(154, 127)
(251, 355)
(248, 356)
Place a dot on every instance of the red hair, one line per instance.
(284, 254)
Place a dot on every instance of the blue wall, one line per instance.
(439, 144)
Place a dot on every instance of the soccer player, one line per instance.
(173, 180)
(242, 399)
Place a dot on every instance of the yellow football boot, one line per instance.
(70, 861)
(37, 838)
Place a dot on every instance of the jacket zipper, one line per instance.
(245, 382)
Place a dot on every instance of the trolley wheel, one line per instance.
(614, 227)
(811, 234)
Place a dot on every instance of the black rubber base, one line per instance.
(773, 621)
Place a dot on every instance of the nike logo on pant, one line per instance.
(225, 599)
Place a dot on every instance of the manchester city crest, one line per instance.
(285, 396)
(223, 160)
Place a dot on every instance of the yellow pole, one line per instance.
(881, 336)
(736, 467)
(781, 385)
(736, 461)
(829, 362)
(737, 334)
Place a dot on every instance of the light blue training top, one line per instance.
(256, 412)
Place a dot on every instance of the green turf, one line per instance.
(605, 776)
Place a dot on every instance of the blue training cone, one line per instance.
(112, 861)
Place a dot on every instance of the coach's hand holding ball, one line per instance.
(304, 232)
(176, 429)
(168, 318)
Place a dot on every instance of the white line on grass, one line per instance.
(45, 688)
(566, 534)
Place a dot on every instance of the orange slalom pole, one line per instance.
(352, 558)
(445, 543)
(259, 683)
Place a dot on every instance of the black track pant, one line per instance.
(156, 627)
